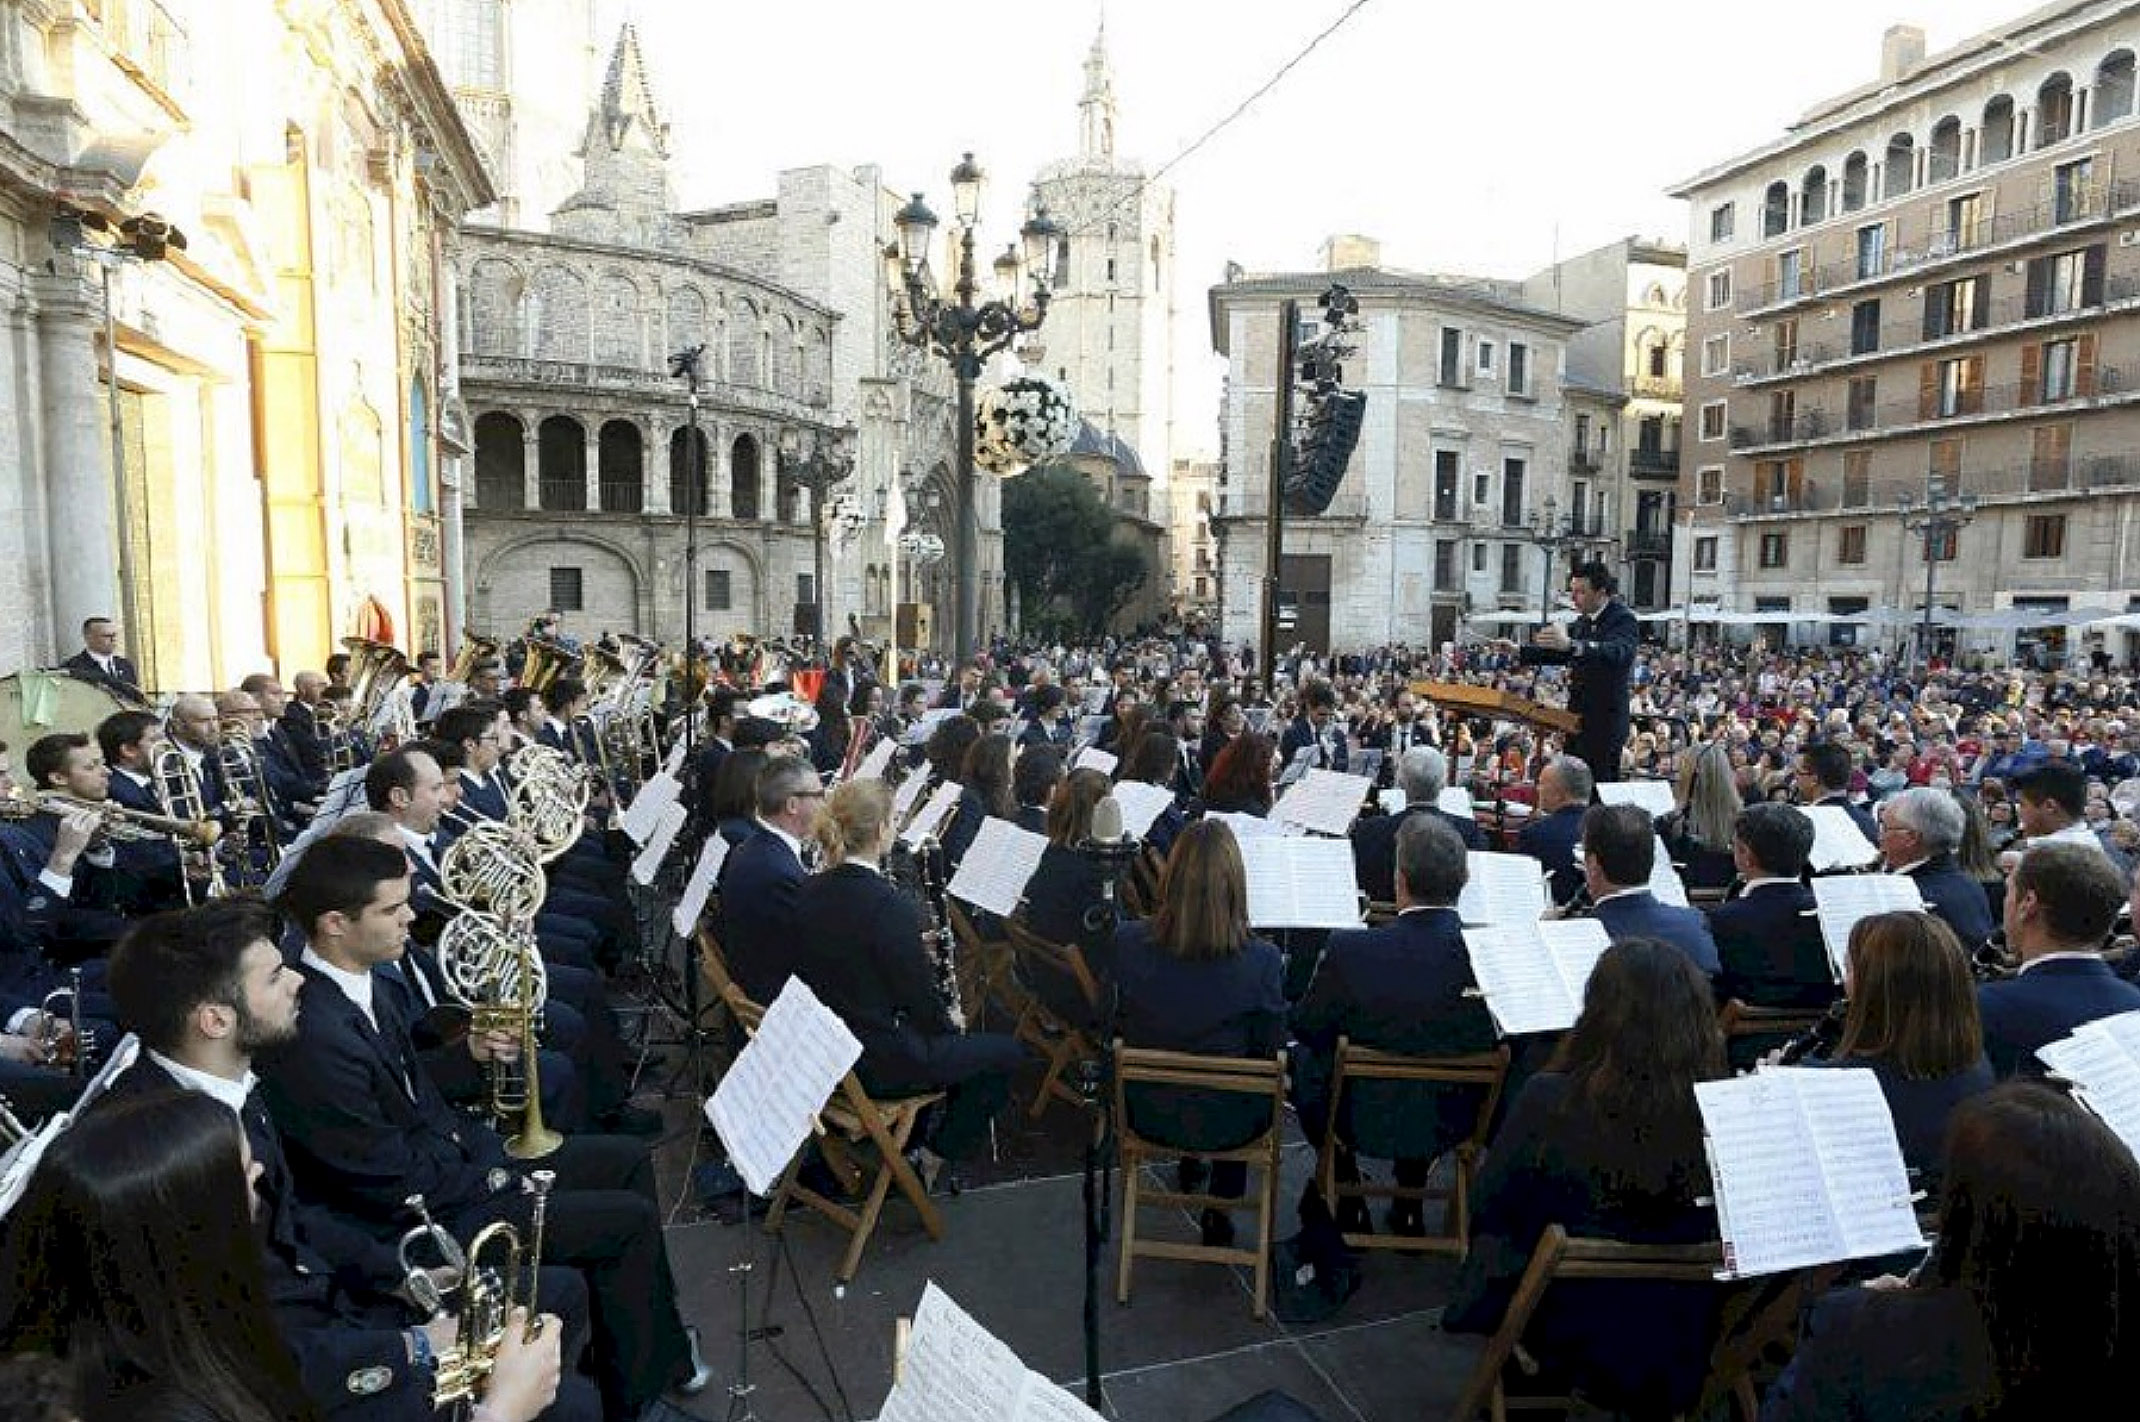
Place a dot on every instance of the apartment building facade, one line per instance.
(1926, 291)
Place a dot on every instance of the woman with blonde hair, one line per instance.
(1698, 834)
(859, 947)
(1195, 978)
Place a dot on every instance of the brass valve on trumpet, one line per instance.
(485, 1298)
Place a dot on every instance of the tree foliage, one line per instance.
(1060, 552)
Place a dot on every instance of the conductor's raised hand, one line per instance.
(1552, 637)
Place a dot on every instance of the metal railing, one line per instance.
(2013, 397)
(2095, 474)
(1653, 461)
(1655, 387)
(1942, 240)
(519, 370)
(1647, 543)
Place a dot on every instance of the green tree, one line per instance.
(1060, 552)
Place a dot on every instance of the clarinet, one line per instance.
(1820, 1038)
(925, 880)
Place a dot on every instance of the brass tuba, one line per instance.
(375, 670)
(475, 650)
(547, 660)
(605, 673)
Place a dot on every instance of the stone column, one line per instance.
(656, 471)
(530, 465)
(593, 472)
(81, 524)
(768, 479)
(718, 503)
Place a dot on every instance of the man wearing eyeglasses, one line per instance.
(762, 876)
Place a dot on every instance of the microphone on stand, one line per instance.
(1112, 850)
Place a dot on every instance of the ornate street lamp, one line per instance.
(1943, 516)
(965, 331)
(824, 461)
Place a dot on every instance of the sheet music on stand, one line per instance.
(647, 863)
(1665, 884)
(997, 866)
(954, 1370)
(930, 817)
(1838, 843)
(878, 760)
(768, 1100)
(640, 818)
(1324, 801)
(1298, 765)
(1093, 758)
(1840, 900)
(1807, 1169)
(1533, 974)
(674, 763)
(1087, 730)
(691, 907)
(1454, 800)
(1094, 702)
(930, 720)
(908, 795)
(1142, 805)
(19, 1162)
(1300, 883)
(1245, 826)
(1502, 888)
(2101, 1060)
(1654, 796)
(1366, 762)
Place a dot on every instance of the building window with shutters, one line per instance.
(1864, 390)
(1857, 478)
(567, 593)
(1947, 388)
(1775, 550)
(1705, 555)
(2050, 458)
(2044, 536)
(1865, 327)
(1850, 544)
(1941, 543)
(1446, 476)
(720, 595)
(1511, 567)
(1955, 307)
(2069, 281)
(2058, 370)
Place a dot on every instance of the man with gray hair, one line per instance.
(762, 877)
(1920, 829)
(1421, 774)
(1554, 834)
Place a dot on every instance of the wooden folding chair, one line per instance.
(1256, 1077)
(1560, 1256)
(1380, 913)
(1057, 973)
(1750, 1031)
(1485, 1071)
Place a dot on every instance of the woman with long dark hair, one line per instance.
(1240, 779)
(1607, 1142)
(989, 792)
(1224, 720)
(1065, 890)
(1912, 1020)
(2029, 1306)
(134, 1257)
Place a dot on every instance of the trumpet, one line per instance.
(486, 1298)
(70, 1047)
(12, 1131)
(422, 1289)
(122, 824)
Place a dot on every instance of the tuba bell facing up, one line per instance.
(475, 650)
(547, 660)
(375, 669)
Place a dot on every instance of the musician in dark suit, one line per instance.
(1193, 978)
(1619, 855)
(2060, 904)
(99, 661)
(149, 870)
(1554, 836)
(1033, 780)
(1405, 987)
(1767, 940)
(1063, 898)
(715, 745)
(1421, 775)
(300, 722)
(1920, 830)
(1599, 651)
(365, 1127)
(87, 912)
(1050, 723)
(1316, 728)
(204, 990)
(2020, 1311)
(857, 943)
(761, 881)
(1823, 778)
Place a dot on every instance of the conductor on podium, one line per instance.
(1598, 649)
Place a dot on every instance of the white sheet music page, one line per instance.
(1142, 805)
(934, 811)
(1654, 796)
(1093, 758)
(1665, 884)
(878, 760)
(648, 862)
(1838, 843)
(1502, 888)
(1298, 765)
(908, 795)
(1842, 899)
(1324, 802)
(765, 1106)
(1246, 827)
(1300, 883)
(954, 1370)
(639, 818)
(997, 867)
(699, 888)
(1860, 1159)
(1527, 988)
(1454, 800)
(674, 762)
(2102, 1060)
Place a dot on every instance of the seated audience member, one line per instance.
(1422, 773)
(2060, 905)
(1607, 1143)
(1912, 1020)
(1920, 831)
(856, 940)
(1194, 978)
(1555, 834)
(135, 1255)
(1619, 854)
(1699, 833)
(1405, 987)
(1063, 898)
(2029, 1306)
(1767, 941)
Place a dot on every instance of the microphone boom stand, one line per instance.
(1112, 856)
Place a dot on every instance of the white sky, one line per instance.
(1468, 137)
